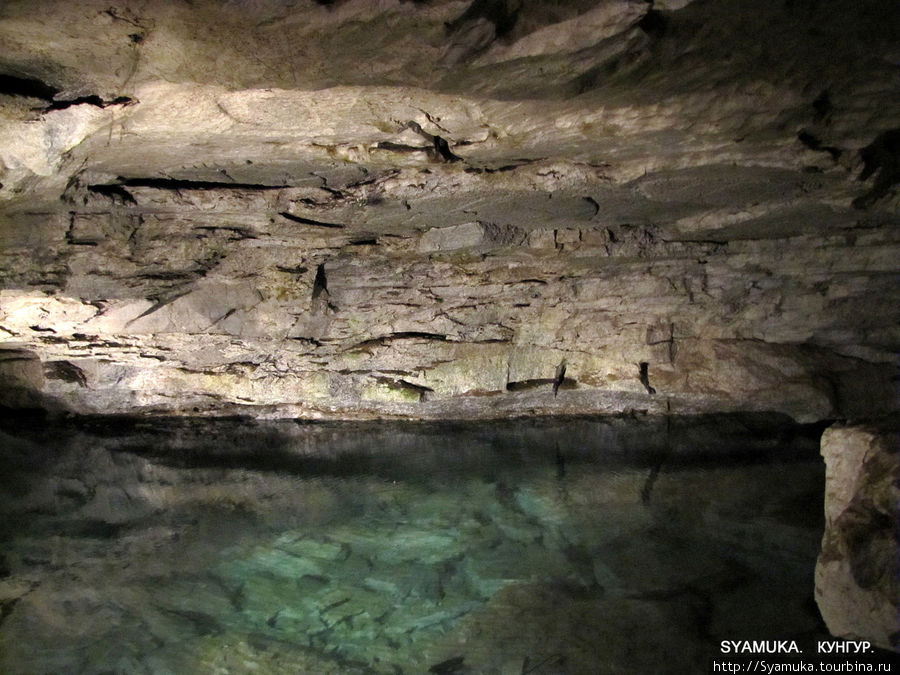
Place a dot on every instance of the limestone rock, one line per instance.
(368, 209)
(857, 586)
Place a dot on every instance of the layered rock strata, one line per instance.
(433, 209)
(509, 208)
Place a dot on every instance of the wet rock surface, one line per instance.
(544, 547)
(430, 210)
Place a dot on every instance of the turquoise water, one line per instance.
(575, 546)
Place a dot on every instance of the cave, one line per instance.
(448, 336)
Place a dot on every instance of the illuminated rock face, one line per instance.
(450, 209)
(425, 209)
(857, 583)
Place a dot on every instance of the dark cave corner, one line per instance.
(881, 159)
(27, 87)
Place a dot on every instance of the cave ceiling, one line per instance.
(438, 208)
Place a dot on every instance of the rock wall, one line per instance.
(444, 209)
(858, 572)
(433, 209)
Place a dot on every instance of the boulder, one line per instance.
(857, 583)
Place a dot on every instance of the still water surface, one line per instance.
(575, 546)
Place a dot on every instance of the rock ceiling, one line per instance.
(440, 208)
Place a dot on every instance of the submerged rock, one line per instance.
(444, 210)
(395, 547)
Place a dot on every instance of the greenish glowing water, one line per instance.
(573, 547)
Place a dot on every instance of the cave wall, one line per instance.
(448, 209)
(433, 209)
(858, 573)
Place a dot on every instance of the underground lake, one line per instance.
(452, 337)
(575, 545)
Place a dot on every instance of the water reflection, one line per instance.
(575, 546)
